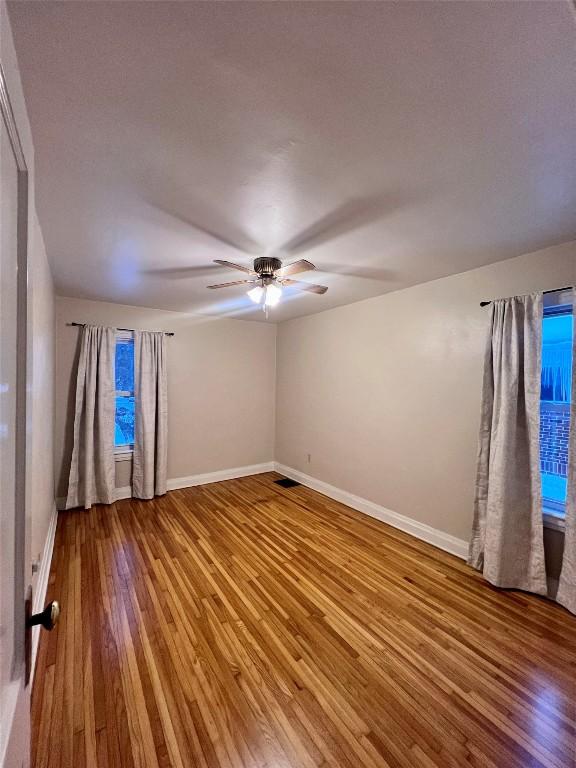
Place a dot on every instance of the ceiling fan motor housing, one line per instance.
(265, 266)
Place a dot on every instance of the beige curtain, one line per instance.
(92, 469)
(151, 416)
(507, 539)
(566, 594)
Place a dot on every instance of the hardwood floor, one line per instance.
(242, 624)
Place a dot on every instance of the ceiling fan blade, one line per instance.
(302, 286)
(233, 266)
(235, 282)
(292, 269)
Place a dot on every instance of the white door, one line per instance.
(14, 694)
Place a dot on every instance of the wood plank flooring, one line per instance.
(242, 624)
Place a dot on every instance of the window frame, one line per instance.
(126, 451)
(555, 303)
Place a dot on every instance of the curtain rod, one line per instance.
(552, 290)
(81, 325)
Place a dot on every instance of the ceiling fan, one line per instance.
(269, 276)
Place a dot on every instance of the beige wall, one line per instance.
(221, 387)
(384, 394)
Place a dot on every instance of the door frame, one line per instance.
(17, 747)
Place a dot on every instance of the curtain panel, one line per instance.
(150, 457)
(92, 469)
(507, 542)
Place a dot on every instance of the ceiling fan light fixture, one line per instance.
(255, 294)
(273, 294)
(268, 277)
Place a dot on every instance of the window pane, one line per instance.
(124, 431)
(124, 366)
(555, 397)
(556, 358)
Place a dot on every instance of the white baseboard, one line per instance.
(123, 493)
(39, 596)
(438, 538)
(120, 493)
(221, 474)
(187, 482)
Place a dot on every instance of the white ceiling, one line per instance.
(389, 143)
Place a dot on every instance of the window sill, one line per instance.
(554, 520)
(123, 455)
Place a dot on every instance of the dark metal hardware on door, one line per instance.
(48, 619)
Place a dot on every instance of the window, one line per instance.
(124, 372)
(555, 398)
